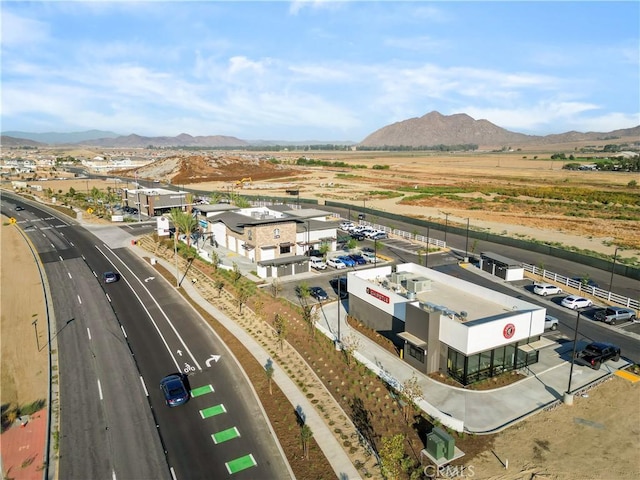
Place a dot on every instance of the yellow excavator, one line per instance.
(240, 183)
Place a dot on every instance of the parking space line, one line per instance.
(225, 435)
(196, 392)
(633, 378)
(241, 463)
(213, 411)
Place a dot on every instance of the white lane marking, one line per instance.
(59, 256)
(175, 330)
(108, 297)
(113, 474)
(95, 274)
(43, 234)
(144, 387)
(71, 243)
(164, 340)
(89, 333)
(123, 332)
(100, 390)
(173, 474)
(69, 273)
(79, 299)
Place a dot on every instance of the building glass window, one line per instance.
(276, 233)
(250, 234)
(285, 249)
(416, 353)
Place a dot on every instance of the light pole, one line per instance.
(567, 396)
(466, 247)
(615, 255)
(446, 226)
(339, 301)
(426, 257)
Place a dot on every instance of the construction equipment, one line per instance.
(240, 183)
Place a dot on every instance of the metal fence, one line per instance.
(406, 235)
(582, 287)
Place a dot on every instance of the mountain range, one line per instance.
(430, 130)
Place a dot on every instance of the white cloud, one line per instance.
(22, 32)
(418, 44)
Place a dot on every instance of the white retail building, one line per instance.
(445, 324)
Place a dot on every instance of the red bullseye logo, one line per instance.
(509, 330)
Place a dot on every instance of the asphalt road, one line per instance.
(115, 343)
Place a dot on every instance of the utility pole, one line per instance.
(35, 326)
(568, 397)
(615, 255)
(466, 247)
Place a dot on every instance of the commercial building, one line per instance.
(445, 324)
(276, 238)
(155, 202)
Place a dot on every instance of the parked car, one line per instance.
(346, 225)
(348, 261)
(313, 253)
(318, 293)
(545, 289)
(613, 315)
(596, 353)
(575, 302)
(550, 322)
(369, 257)
(359, 259)
(336, 263)
(379, 236)
(317, 263)
(358, 236)
(174, 390)
(109, 277)
(340, 286)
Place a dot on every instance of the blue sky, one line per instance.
(317, 70)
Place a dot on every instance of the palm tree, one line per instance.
(184, 223)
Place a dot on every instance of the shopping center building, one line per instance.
(445, 324)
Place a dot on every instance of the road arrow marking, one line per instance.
(213, 358)
(149, 278)
(179, 352)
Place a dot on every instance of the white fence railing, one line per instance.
(583, 288)
(406, 235)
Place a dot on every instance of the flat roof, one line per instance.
(449, 294)
(501, 259)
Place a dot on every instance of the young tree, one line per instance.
(391, 455)
(350, 344)
(310, 317)
(276, 287)
(280, 325)
(306, 434)
(236, 274)
(303, 293)
(241, 298)
(184, 223)
(412, 393)
(269, 371)
(219, 287)
(215, 260)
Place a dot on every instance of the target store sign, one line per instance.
(509, 330)
(380, 296)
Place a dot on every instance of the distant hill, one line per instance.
(436, 129)
(8, 141)
(182, 140)
(55, 138)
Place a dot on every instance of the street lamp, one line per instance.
(426, 257)
(567, 396)
(446, 226)
(615, 255)
(339, 299)
(466, 247)
(35, 326)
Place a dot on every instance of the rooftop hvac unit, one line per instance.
(398, 277)
(417, 285)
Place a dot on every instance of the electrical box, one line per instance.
(449, 444)
(435, 446)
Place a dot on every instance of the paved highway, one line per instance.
(115, 343)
